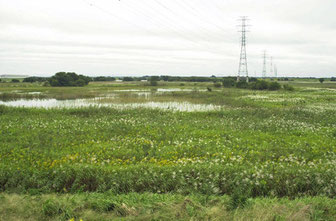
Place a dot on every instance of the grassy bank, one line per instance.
(160, 207)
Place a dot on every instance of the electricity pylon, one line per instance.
(271, 68)
(243, 70)
(264, 67)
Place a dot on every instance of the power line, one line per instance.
(168, 24)
(175, 14)
(118, 17)
(196, 13)
(149, 31)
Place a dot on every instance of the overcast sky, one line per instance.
(166, 37)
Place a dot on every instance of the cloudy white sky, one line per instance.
(173, 37)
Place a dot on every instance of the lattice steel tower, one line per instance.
(243, 70)
(271, 70)
(264, 67)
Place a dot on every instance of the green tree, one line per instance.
(68, 79)
(128, 79)
(80, 83)
(153, 81)
(321, 80)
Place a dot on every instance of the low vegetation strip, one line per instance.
(146, 206)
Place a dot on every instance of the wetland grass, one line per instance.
(264, 154)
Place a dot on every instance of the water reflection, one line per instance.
(53, 103)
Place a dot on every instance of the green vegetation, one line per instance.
(229, 82)
(288, 87)
(35, 79)
(146, 206)
(153, 81)
(217, 84)
(15, 81)
(127, 79)
(68, 79)
(253, 84)
(105, 149)
(102, 78)
(263, 153)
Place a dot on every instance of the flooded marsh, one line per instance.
(169, 140)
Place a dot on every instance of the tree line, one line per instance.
(63, 79)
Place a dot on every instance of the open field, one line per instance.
(227, 153)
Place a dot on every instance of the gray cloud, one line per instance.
(182, 37)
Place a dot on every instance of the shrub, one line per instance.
(288, 87)
(274, 86)
(259, 85)
(333, 79)
(264, 85)
(15, 81)
(228, 82)
(321, 80)
(217, 84)
(242, 84)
